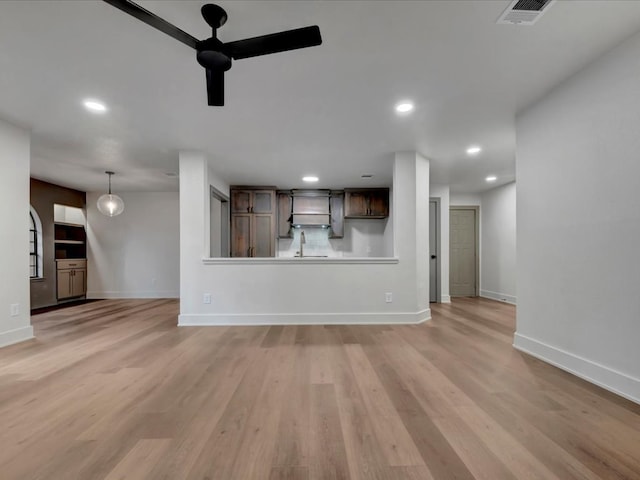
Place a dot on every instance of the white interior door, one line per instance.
(433, 251)
(462, 262)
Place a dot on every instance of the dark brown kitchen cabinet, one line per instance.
(252, 201)
(253, 222)
(366, 203)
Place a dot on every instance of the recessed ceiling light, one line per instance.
(474, 150)
(95, 106)
(404, 107)
(491, 178)
(310, 179)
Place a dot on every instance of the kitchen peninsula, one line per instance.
(389, 284)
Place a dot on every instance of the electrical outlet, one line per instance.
(15, 309)
(388, 297)
(206, 298)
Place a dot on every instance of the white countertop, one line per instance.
(300, 260)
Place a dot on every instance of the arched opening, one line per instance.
(35, 244)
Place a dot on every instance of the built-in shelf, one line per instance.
(70, 241)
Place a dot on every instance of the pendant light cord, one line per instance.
(109, 173)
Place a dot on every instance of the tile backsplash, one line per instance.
(362, 238)
(317, 243)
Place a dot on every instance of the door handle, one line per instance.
(433, 256)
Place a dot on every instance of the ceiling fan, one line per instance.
(214, 55)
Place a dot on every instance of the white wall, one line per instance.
(579, 223)
(442, 192)
(15, 158)
(464, 199)
(498, 244)
(136, 254)
(388, 229)
(263, 291)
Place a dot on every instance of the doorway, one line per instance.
(434, 250)
(219, 224)
(464, 259)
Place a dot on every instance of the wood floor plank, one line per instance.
(114, 389)
(391, 432)
(292, 443)
(140, 460)
(327, 453)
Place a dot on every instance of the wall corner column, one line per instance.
(411, 223)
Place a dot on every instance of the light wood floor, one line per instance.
(113, 390)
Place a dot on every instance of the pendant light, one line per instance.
(110, 204)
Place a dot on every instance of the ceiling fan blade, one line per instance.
(215, 87)
(154, 21)
(275, 42)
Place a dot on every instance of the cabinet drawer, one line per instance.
(78, 263)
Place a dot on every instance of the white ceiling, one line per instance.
(326, 110)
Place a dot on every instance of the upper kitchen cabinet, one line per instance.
(366, 203)
(253, 222)
(248, 200)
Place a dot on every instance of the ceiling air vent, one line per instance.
(524, 12)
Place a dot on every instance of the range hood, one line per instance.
(310, 208)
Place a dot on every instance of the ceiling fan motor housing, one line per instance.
(210, 54)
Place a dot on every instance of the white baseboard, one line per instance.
(617, 382)
(501, 297)
(16, 336)
(445, 299)
(112, 295)
(253, 319)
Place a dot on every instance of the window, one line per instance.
(35, 245)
